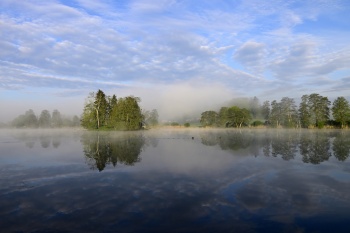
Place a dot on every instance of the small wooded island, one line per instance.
(105, 112)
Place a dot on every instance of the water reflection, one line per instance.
(45, 137)
(212, 183)
(314, 146)
(341, 146)
(101, 149)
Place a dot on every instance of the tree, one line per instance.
(276, 115)
(289, 112)
(223, 119)
(341, 111)
(127, 114)
(100, 107)
(319, 107)
(88, 119)
(56, 120)
(123, 113)
(45, 119)
(304, 112)
(209, 118)
(238, 116)
(265, 110)
(314, 110)
(112, 102)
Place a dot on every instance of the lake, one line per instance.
(175, 180)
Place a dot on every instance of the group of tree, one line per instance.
(227, 117)
(44, 120)
(105, 112)
(314, 111)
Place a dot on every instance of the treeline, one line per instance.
(44, 120)
(105, 112)
(313, 111)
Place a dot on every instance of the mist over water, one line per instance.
(184, 180)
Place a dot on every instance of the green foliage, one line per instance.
(319, 107)
(276, 114)
(223, 118)
(100, 107)
(88, 119)
(209, 118)
(265, 110)
(101, 112)
(187, 124)
(238, 116)
(257, 123)
(314, 110)
(233, 116)
(304, 113)
(127, 114)
(341, 111)
(112, 102)
(283, 113)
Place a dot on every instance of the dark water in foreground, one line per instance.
(165, 181)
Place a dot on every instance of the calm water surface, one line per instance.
(175, 181)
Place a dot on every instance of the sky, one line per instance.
(179, 56)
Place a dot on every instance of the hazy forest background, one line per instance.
(111, 113)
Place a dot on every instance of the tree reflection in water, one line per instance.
(284, 144)
(45, 137)
(341, 146)
(102, 148)
(314, 146)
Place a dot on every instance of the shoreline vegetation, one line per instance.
(107, 113)
(314, 111)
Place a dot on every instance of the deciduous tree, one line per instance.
(56, 120)
(209, 118)
(341, 111)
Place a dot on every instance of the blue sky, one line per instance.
(178, 56)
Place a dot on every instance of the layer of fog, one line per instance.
(173, 102)
(181, 101)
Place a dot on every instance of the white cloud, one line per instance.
(252, 55)
(111, 45)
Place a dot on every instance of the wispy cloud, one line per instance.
(250, 47)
